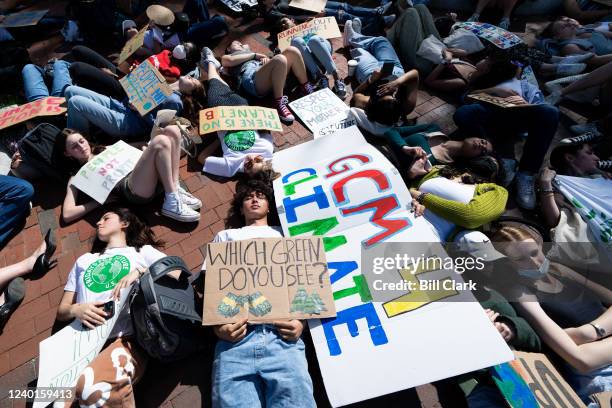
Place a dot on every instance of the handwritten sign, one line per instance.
(101, 174)
(50, 106)
(63, 356)
(266, 280)
(316, 6)
(145, 87)
(133, 44)
(325, 27)
(544, 381)
(349, 194)
(322, 112)
(496, 101)
(498, 36)
(25, 18)
(239, 118)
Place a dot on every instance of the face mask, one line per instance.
(536, 274)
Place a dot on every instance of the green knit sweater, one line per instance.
(488, 204)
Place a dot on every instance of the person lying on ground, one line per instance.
(248, 151)
(259, 75)
(159, 164)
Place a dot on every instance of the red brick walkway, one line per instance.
(35, 318)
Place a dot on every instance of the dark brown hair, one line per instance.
(69, 165)
(193, 104)
(137, 233)
(559, 163)
(235, 218)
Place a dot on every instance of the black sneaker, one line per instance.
(605, 165)
(587, 137)
(13, 295)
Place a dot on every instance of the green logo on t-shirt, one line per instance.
(103, 274)
(240, 140)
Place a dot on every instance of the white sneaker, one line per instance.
(584, 138)
(509, 166)
(590, 127)
(357, 25)
(207, 56)
(565, 69)
(189, 199)
(572, 59)
(557, 84)
(525, 191)
(174, 208)
(348, 33)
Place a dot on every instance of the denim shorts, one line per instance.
(247, 78)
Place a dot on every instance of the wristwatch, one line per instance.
(601, 332)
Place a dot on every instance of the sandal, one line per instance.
(43, 262)
(13, 295)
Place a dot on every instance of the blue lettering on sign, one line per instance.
(291, 204)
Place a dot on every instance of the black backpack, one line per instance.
(37, 148)
(163, 312)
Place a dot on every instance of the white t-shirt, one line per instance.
(236, 146)
(360, 117)
(448, 189)
(251, 232)
(94, 276)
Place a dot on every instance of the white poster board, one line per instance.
(351, 195)
(63, 356)
(322, 112)
(101, 174)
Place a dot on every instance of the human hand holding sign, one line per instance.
(232, 332)
(90, 314)
(290, 330)
(503, 328)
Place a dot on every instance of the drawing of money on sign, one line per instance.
(145, 87)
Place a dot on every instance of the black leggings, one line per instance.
(85, 71)
(220, 94)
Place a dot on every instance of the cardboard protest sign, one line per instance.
(101, 174)
(603, 399)
(266, 280)
(325, 27)
(495, 100)
(239, 118)
(322, 112)
(145, 87)
(349, 194)
(50, 106)
(316, 6)
(544, 381)
(133, 44)
(22, 19)
(63, 356)
(498, 36)
(592, 199)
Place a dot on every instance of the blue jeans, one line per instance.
(503, 124)
(86, 108)
(372, 22)
(371, 53)
(197, 10)
(486, 396)
(261, 370)
(15, 194)
(316, 49)
(34, 83)
(203, 32)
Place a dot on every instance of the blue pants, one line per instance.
(371, 53)
(34, 83)
(313, 50)
(203, 32)
(539, 121)
(15, 194)
(86, 108)
(261, 370)
(197, 10)
(372, 22)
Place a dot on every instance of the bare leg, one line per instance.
(272, 76)
(158, 162)
(599, 60)
(211, 74)
(21, 268)
(295, 64)
(597, 77)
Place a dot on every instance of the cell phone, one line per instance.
(109, 309)
(387, 69)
